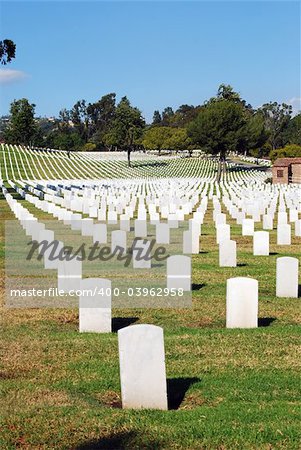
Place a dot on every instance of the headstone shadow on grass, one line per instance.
(122, 322)
(176, 390)
(197, 286)
(118, 441)
(265, 321)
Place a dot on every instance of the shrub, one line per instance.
(89, 147)
(289, 151)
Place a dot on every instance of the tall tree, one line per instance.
(167, 114)
(292, 133)
(157, 119)
(253, 135)
(127, 128)
(101, 115)
(159, 138)
(7, 51)
(226, 92)
(277, 117)
(22, 128)
(218, 129)
(79, 119)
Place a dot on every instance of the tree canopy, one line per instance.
(224, 123)
(7, 51)
(22, 128)
(218, 128)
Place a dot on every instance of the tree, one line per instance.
(157, 119)
(226, 92)
(101, 115)
(178, 140)
(159, 138)
(277, 117)
(7, 51)
(292, 133)
(126, 129)
(155, 138)
(183, 115)
(253, 135)
(65, 139)
(22, 128)
(79, 119)
(167, 114)
(289, 151)
(218, 129)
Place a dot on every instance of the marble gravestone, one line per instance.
(95, 310)
(142, 367)
(287, 269)
(261, 243)
(69, 275)
(242, 303)
(140, 228)
(284, 234)
(227, 253)
(118, 239)
(100, 233)
(162, 233)
(141, 254)
(179, 272)
(247, 227)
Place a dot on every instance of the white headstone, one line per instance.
(242, 303)
(142, 367)
(284, 234)
(287, 269)
(282, 218)
(261, 243)
(179, 272)
(87, 227)
(95, 310)
(191, 242)
(267, 222)
(100, 233)
(69, 275)
(162, 233)
(222, 233)
(140, 227)
(118, 239)
(298, 228)
(227, 254)
(247, 227)
(141, 256)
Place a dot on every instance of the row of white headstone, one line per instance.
(141, 347)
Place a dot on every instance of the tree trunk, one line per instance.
(221, 166)
(129, 156)
(219, 171)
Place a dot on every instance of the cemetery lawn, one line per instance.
(228, 389)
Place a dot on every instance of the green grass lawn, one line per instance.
(228, 389)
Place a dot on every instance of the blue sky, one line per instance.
(157, 53)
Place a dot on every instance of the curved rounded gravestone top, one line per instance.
(95, 310)
(178, 264)
(287, 269)
(242, 303)
(142, 367)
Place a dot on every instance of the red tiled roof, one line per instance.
(285, 162)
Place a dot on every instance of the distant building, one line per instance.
(287, 170)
